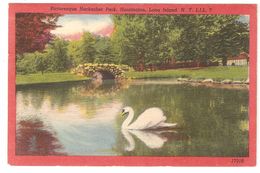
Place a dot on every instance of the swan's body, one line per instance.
(151, 118)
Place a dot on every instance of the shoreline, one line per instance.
(224, 84)
(193, 83)
(237, 75)
(205, 82)
(47, 78)
(50, 83)
(208, 81)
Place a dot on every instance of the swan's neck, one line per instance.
(128, 119)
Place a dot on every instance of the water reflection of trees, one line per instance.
(33, 138)
(97, 88)
(211, 117)
(63, 94)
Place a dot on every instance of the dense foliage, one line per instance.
(144, 39)
(54, 58)
(153, 39)
(137, 39)
(33, 31)
(61, 55)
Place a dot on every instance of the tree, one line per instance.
(74, 53)
(58, 58)
(41, 62)
(194, 41)
(230, 40)
(162, 35)
(206, 36)
(145, 39)
(87, 49)
(53, 58)
(26, 64)
(33, 31)
(104, 51)
(32, 63)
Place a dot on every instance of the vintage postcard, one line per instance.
(132, 84)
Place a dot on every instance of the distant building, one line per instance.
(241, 59)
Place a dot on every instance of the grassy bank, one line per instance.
(215, 73)
(47, 78)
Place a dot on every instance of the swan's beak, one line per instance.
(122, 113)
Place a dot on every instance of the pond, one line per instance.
(82, 118)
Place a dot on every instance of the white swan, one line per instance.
(151, 118)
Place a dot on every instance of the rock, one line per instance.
(216, 82)
(193, 81)
(208, 81)
(182, 79)
(226, 81)
(237, 82)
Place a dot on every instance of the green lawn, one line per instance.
(215, 73)
(47, 78)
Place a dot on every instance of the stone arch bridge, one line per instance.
(106, 71)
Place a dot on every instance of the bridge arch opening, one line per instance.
(105, 74)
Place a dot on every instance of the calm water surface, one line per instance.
(83, 119)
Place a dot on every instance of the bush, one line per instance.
(26, 64)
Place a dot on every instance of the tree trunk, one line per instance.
(224, 61)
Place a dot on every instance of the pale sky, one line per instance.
(78, 23)
(244, 18)
(73, 25)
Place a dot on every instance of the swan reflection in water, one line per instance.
(151, 138)
(148, 127)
